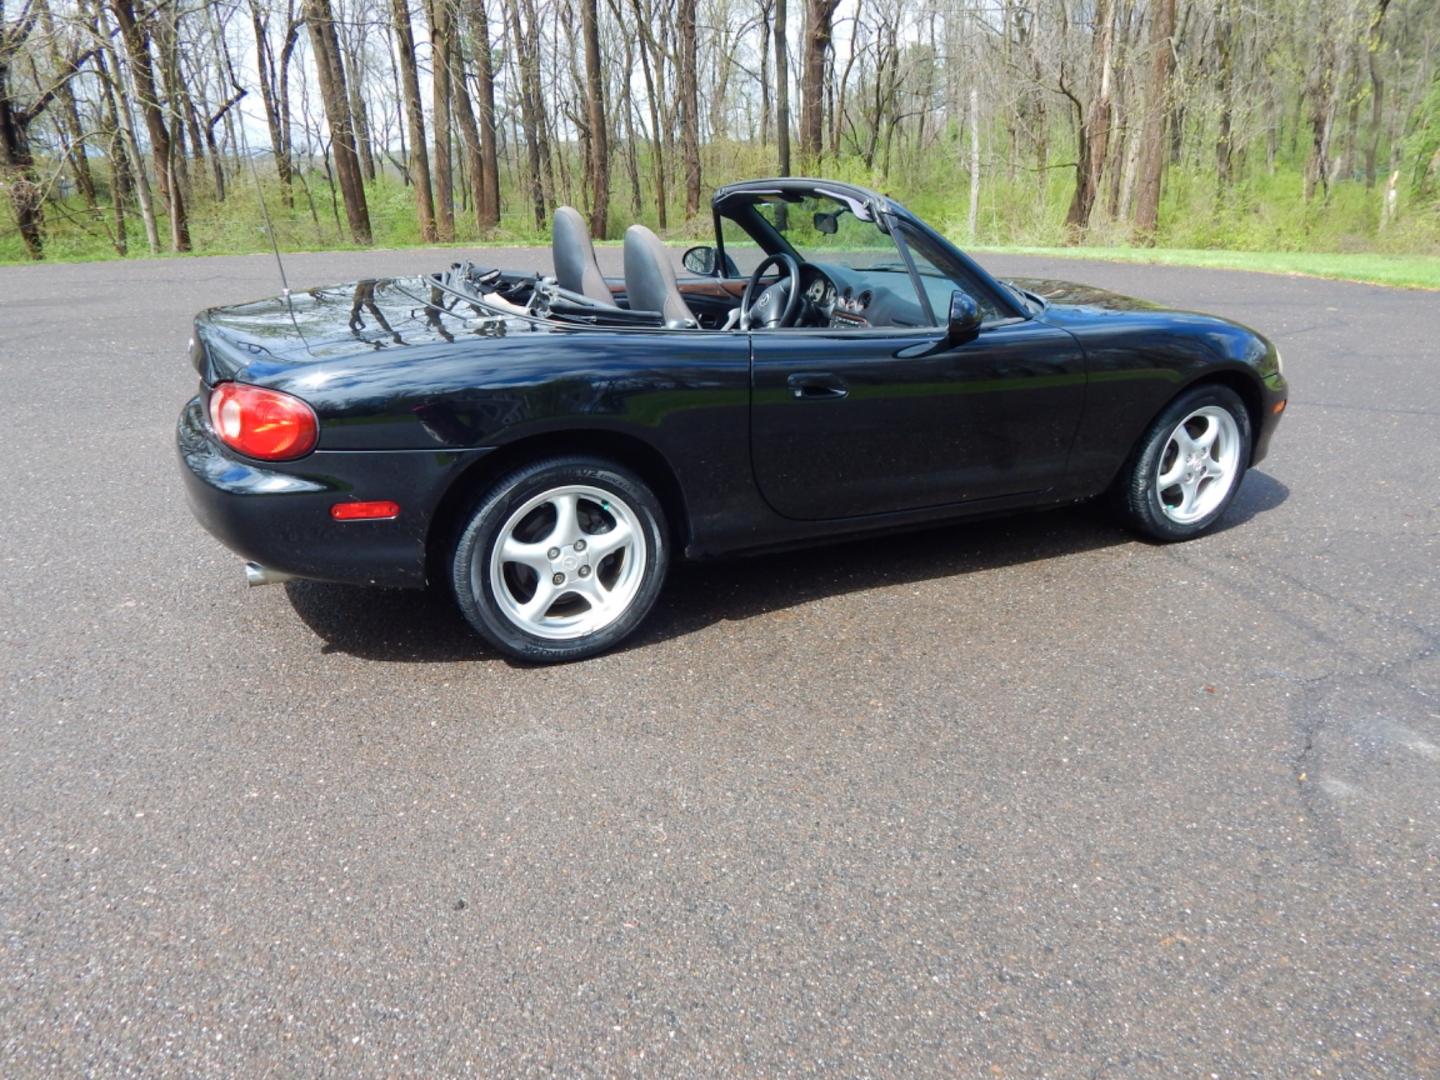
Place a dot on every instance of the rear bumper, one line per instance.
(278, 515)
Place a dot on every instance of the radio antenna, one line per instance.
(269, 228)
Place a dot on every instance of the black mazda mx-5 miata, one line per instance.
(831, 366)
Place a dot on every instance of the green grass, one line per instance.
(1407, 271)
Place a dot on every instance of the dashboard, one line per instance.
(835, 301)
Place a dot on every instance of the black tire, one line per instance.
(1137, 494)
(610, 494)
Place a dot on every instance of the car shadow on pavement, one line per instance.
(425, 627)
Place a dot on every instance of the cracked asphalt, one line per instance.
(1020, 798)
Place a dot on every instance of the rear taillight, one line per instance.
(262, 423)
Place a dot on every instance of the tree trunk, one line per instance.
(529, 121)
(782, 90)
(121, 101)
(216, 164)
(818, 31)
(837, 116)
(1152, 135)
(331, 76)
(599, 165)
(689, 106)
(1377, 91)
(767, 8)
(652, 98)
(1225, 47)
(974, 218)
(137, 46)
(469, 133)
(360, 116)
(538, 108)
(441, 28)
(419, 160)
(489, 214)
(121, 178)
(1094, 135)
(17, 169)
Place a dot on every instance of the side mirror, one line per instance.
(964, 324)
(700, 260)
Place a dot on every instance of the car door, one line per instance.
(853, 422)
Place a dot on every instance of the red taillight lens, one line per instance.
(262, 423)
(378, 510)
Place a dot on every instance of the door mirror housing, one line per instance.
(700, 260)
(965, 318)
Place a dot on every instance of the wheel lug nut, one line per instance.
(558, 579)
(579, 545)
(584, 571)
(553, 553)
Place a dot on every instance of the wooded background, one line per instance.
(133, 126)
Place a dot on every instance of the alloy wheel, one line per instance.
(568, 562)
(1199, 465)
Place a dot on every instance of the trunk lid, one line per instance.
(325, 323)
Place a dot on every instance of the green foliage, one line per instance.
(1422, 146)
(1261, 211)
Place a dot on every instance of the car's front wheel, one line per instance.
(1187, 467)
(561, 559)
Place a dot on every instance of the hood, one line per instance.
(1071, 294)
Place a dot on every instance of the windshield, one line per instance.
(840, 236)
(821, 228)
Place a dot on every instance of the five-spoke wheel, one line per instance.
(569, 562)
(1200, 464)
(561, 559)
(1188, 466)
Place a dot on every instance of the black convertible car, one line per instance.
(831, 366)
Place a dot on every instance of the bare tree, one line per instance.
(419, 161)
(1152, 134)
(17, 161)
(136, 35)
(1093, 134)
(331, 75)
(818, 32)
(782, 89)
(440, 33)
(479, 27)
(685, 75)
(599, 142)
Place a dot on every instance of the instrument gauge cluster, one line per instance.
(821, 293)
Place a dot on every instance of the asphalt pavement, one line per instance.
(1020, 798)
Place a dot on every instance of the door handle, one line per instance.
(816, 386)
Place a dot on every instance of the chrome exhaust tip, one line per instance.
(255, 574)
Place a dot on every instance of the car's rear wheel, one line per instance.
(1187, 467)
(561, 559)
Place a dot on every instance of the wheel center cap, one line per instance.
(570, 562)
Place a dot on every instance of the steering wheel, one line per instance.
(778, 304)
